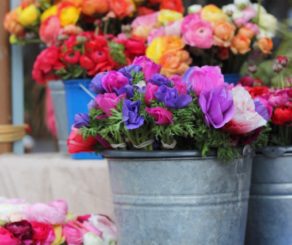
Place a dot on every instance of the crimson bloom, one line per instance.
(282, 115)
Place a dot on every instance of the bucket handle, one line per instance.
(86, 91)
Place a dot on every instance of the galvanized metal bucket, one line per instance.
(270, 206)
(59, 102)
(179, 198)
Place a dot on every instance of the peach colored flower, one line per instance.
(49, 30)
(240, 44)
(175, 63)
(122, 8)
(223, 33)
(91, 7)
(11, 24)
(213, 14)
(265, 45)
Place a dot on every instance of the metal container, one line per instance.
(270, 206)
(179, 198)
(59, 103)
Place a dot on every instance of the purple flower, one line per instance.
(149, 68)
(113, 81)
(81, 120)
(159, 79)
(261, 109)
(131, 116)
(217, 105)
(95, 85)
(128, 90)
(171, 98)
(128, 71)
(92, 105)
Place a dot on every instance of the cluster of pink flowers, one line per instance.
(51, 224)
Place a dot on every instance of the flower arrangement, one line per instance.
(137, 107)
(84, 55)
(277, 100)
(40, 223)
(209, 35)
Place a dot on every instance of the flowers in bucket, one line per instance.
(51, 224)
(138, 108)
(209, 35)
(275, 102)
(84, 55)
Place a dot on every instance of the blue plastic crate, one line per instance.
(232, 78)
(77, 100)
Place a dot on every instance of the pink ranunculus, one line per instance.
(161, 115)
(159, 32)
(53, 213)
(199, 34)
(245, 119)
(143, 25)
(149, 68)
(50, 30)
(150, 91)
(73, 232)
(113, 80)
(203, 78)
(279, 98)
(189, 20)
(179, 84)
(246, 15)
(106, 102)
(6, 237)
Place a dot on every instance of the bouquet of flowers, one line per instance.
(137, 107)
(84, 55)
(51, 224)
(277, 98)
(209, 35)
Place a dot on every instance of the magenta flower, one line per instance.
(106, 102)
(7, 238)
(112, 81)
(203, 78)
(179, 84)
(199, 34)
(188, 21)
(151, 89)
(161, 115)
(217, 106)
(149, 68)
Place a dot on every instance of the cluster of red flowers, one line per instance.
(85, 55)
(152, 5)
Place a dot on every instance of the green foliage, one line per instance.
(117, 53)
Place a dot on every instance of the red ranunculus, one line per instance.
(247, 81)
(135, 46)
(144, 11)
(43, 233)
(176, 5)
(258, 91)
(76, 143)
(22, 230)
(282, 115)
(71, 56)
(86, 62)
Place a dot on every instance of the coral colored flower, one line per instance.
(28, 16)
(223, 33)
(245, 119)
(71, 57)
(282, 115)
(122, 8)
(199, 34)
(249, 30)
(265, 45)
(150, 91)
(217, 106)
(203, 78)
(7, 238)
(161, 115)
(76, 143)
(213, 14)
(168, 16)
(49, 30)
(240, 44)
(176, 5)
(91, 7)
(149, 68)
(175, 62)
(12, 25)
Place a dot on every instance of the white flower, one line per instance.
(194, 8)
(268, 23)
(242, 3)
(91, 239)
(12, 212)
(232, 11)
(259, 8)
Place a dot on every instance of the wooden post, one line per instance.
(5, 84)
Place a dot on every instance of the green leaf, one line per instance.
(117, 52)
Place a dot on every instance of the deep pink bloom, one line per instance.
(113, 81)
(179, 84)
(7, 238)
(279, 97)
(43, 233)
(106, 102)
(151, 89)
(73, 231)
(22, 230)
(50, 30)
(149, 68)
(203, 78)
(161, 115)
(189, 20)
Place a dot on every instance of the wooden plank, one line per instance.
(5, 84)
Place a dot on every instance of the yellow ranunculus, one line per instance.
(52, 11)
(59, 239)
(28, 16)
(213, 14)
(13, 39)
(166, 16)
(69, 16)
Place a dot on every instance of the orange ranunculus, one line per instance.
(240, 44)
(174, 43)
(91, 7)
(175, 5)
(175, 62)
(247, 32)
(11, 24)
(213, 14)
(265, 45)
(223, 33)
(122, 8)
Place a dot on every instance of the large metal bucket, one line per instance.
(179, 198)
(270, 207)
(59, 102)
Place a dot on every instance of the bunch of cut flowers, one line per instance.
(51, 224)
(138, 108)
(208, 35)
